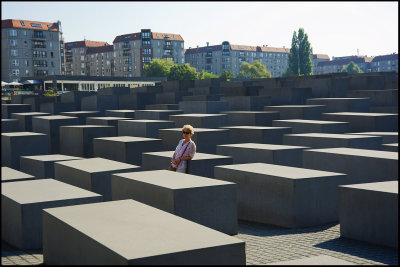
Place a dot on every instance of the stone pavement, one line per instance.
(267, 244)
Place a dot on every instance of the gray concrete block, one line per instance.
(7, 109)
(206, 201)
(11, 175)
(82, 115)
(36, 100)
(349, 104)
(22, 204)
(50, 125)
(25, 119)
(137, 100)
(388, 97)
(202, 97)
(106, 121)
(100, 102)
(202, 164)
(283, 196)
(162, 106)
(75, 97)
(366, 82)
(247, 102)
(170, 97)
(210, 107)
(366, 122)
(155, 114)
(126, 113)
(313, 126)
(92, 174)
(387, 137)
(42, 166)
(14, 145)
(266, 153)
(205, 139)
(198, 120)
(287, 95)
(114, 91)
(369, 212)
(77, 140)
(251, 118)
(56, 107)
(391, 147)
(361, 165)
(305, 112)
(113, 233)
(257, 134)
(143, 128)
(325, 140)
(126, 149)
(10, 125)
(204, 90)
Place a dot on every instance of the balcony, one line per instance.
(126, 46)
(39, 46)
(208, 54)
(126, 54)
(38, 36)
(168, 47)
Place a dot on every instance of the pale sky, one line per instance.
(333, 28)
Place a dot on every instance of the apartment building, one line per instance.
(385, 63)
(75, 53)
(100, 61)
(337, 64)
(29, 48)
(217, 58)
(316, 59)
(132, 51)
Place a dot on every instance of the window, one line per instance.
(13, 33)
(146, 43)
(40, 63)
(36, 25)
(13, 42)
(25, 44)
(15, 72)
(147, 51)
(27, 63)
(14, 62)
(14, 52)
(52, 64)
(51, 45)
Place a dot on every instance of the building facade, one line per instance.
(316, 59)
(385, 63)
(29, 48)
(133, 51)
(100, 61)
(218, 58)
(337, 63)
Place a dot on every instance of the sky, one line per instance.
(333, 28)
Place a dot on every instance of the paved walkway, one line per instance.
(267, 244)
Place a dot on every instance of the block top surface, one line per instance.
(5, 120)
(14, 105)
(388, 186)
(52, 157)
(197, 156)
(121, 110)
(115, 224)
(312, 121)
(379, 133)
(263, 146)
(88, 126)
(31, 113)
(358, 152)
(109, 118)
(42, 190)
(362, 114)
(255, 127)
(328, 135)
(391, 145)
(161, 110)
(94, 165)
(127, 139)
(9, 174)
(197, 130)
(172, 180)
(22, 134)
(294, 106)
(151, 121)
(339, 98)
(55, 117)
(80, 112)
(198, 115)
(249, 112)
(279, 170)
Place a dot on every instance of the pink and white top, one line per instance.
(180, 148)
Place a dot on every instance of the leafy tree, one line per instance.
(300, 62)
(182, 72)
(252, 71)
(352, 68)
(226, 74)
(158, 68)
(294, 56)
(206, 75)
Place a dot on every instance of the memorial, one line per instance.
(7, 109)
(155, 114)
(251, 118)
(305, 112)
(257, 134)
(11, 175)
(198, 120)
(349, 104)
(209, 107)
(81, 115)
(313, 126)
(126, 113)
(143, 128)
(25, 119)
(10, 125)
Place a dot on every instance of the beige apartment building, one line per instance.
(132, 51)
(29, 48)
(100, 61)
(75, 56)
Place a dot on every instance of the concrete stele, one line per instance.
(11, 175)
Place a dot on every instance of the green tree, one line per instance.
(206, 75)
(352, 68)
(182, 72)
(252, 71)
(294, 57)
(226, 74)
(158, 68)
(300, 62)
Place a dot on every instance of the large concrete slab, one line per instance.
(100, 102)
(361, 165)
(205, 139)
(348, 104)
(313, 126)
(77, 140)
(75, 97)
(387, 137)
(257, 134)
(210, 107)
(25, 119)
(108, 121)
(266, 153)
(126, 149)
(369, 212)
(22, 204)
(7, 109)
(391, 147)
(287, 95)
(56, 107)
(113, 233)
(202, 164)
(126, 113)
(143, 128)
(305, 112)
(283, 196)
(198, 120)
(17, 144)
(82, 115)
(251, 118)
(326, 140)
(206, 201)
(252, 102)
(11, 175)
(10, 125)
(155, 114)
(50, 125)
(42, 166)
(163, 106)
(92, 174)
(366, 122)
